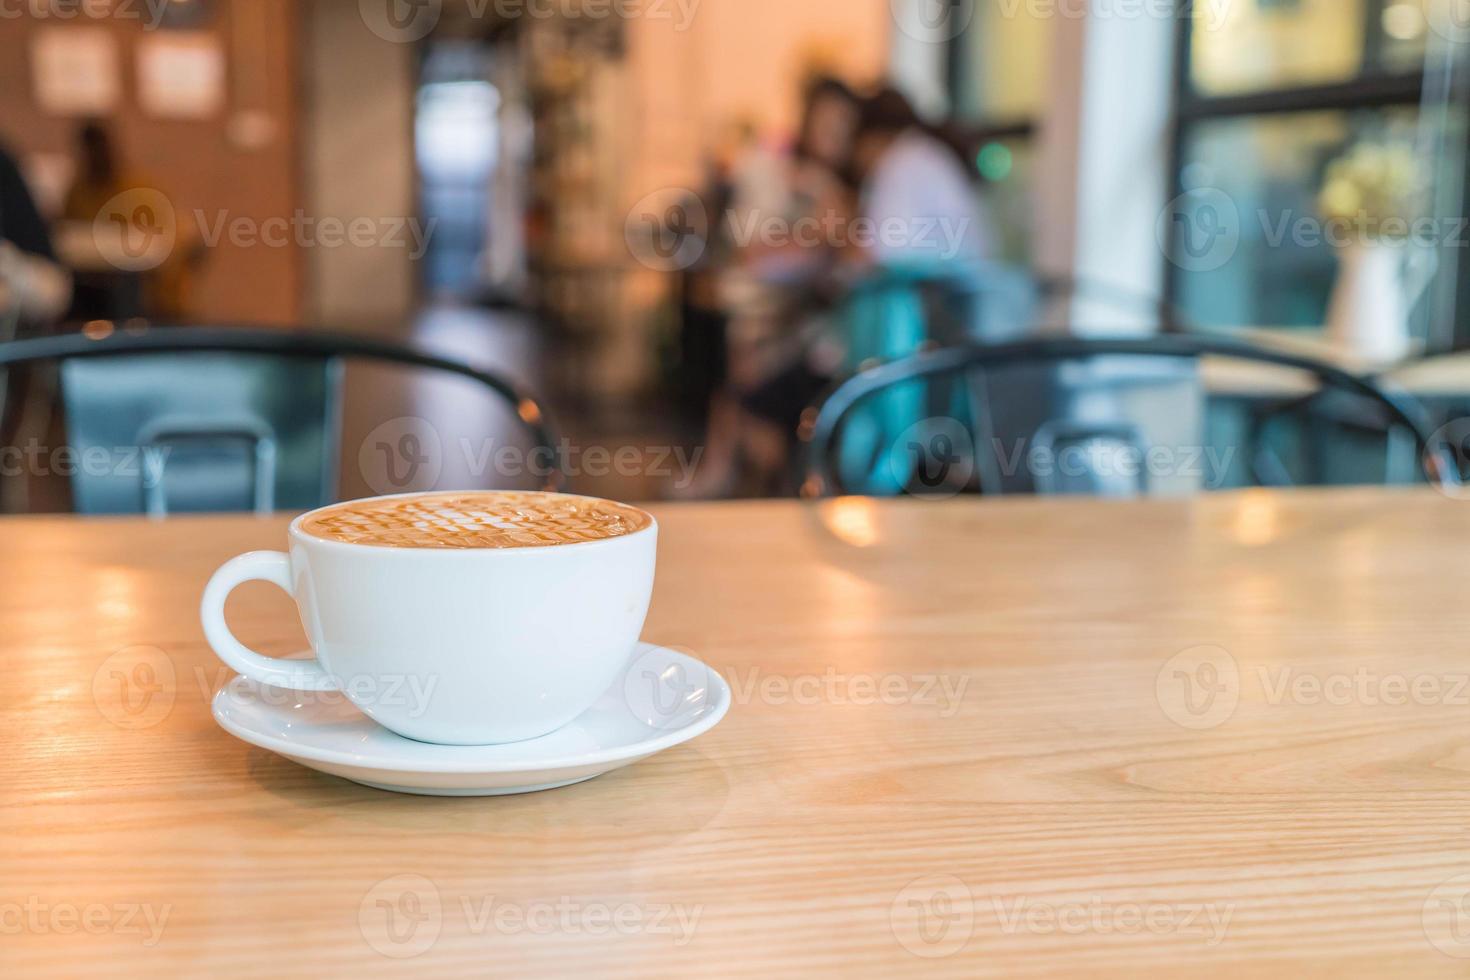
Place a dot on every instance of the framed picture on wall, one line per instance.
(181, 74)
(75, 71)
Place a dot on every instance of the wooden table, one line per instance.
(1218, 737)
(1440, 376)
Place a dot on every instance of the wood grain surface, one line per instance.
(1228, 736)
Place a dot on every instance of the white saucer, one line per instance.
(661, 698)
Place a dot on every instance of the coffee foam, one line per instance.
(484, 519)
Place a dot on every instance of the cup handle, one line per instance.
(266, 566)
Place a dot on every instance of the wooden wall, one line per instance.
(197, 164)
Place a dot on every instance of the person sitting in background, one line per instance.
(918, 214)
(913, 181)
(34, 288)
(98, 178)
(775, 284)
(104, 291)
(918, 218)
(925, 234)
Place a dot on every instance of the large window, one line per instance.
(998, 65)
(1270, 93)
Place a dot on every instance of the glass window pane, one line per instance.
(1008, 170)
(1003, 60)
(1404, 31)
(1261, 176)
(1240, 47)
(1267, 44)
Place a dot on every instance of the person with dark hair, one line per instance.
(779, 277)
(915, 188)
(105, 291)
(98, 178)
(33, 287)
(829, 115)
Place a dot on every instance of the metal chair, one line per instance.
(995, 302)
(1440, 384)
(188, 419)
(1062, 415)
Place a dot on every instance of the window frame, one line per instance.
(1373, 89)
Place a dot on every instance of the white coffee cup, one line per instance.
(473, 646)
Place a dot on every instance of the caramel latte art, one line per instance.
(480, 519)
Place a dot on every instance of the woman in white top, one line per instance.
(918, 198)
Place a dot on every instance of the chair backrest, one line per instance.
(1061, 415)
(990, 302)
(1441, 382)
(1067, 426)
(177, 433)
(177, 419)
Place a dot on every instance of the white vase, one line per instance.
(1368, 316)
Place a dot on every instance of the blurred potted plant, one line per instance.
(1372, 200)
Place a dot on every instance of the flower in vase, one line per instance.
(1379, 189)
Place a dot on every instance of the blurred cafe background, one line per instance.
(267, 254)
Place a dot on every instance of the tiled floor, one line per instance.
(466, 438)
